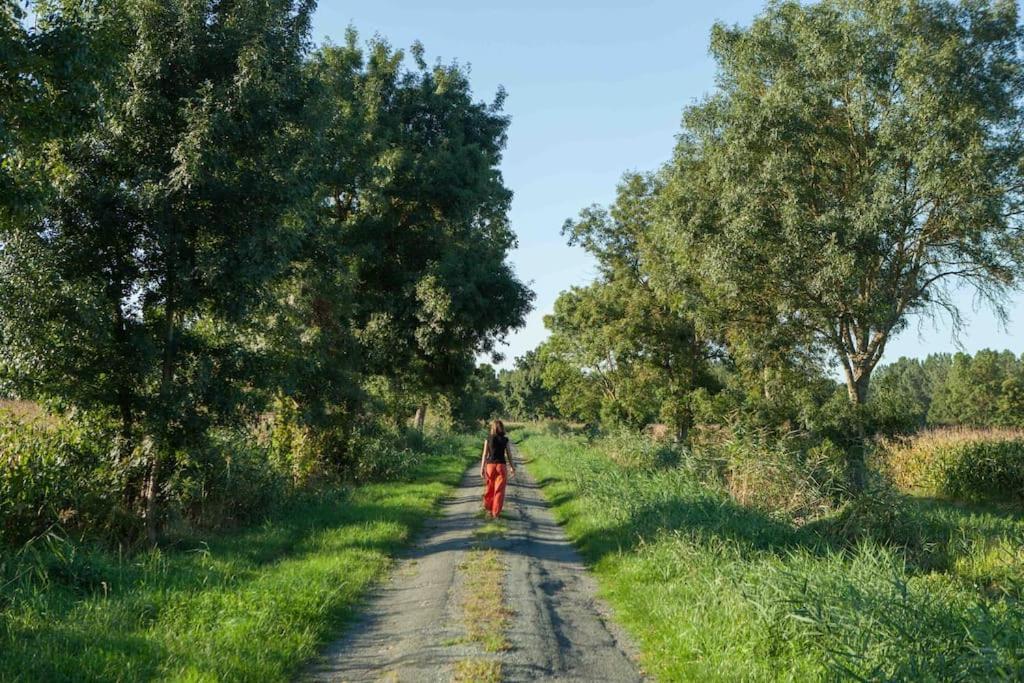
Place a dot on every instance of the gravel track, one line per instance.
(411, 629)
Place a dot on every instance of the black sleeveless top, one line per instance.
(497, 447)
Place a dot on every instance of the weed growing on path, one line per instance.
(494, 528)
(477, 671)
(483, 600)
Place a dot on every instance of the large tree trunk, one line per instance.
(858, 381)
(150, 496)
(421, 416)
(151, 486)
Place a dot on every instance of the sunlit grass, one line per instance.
(713, 590)
(477, 671)
(493, 528)
(231, 607)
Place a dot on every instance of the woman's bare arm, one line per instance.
(483, 457)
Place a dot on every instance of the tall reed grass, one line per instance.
(958, 463)
(713, 587)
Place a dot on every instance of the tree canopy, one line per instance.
(857, 161)
(618, 346)
(206, 221)
(856, 165)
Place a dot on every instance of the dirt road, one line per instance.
(413, 627)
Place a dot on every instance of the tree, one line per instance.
(131, 294)
(576, 394)
(980, 391)
(481, 399)
(48, 77)
(639, 349)
(902, 393)
(14, 54)
(411, 195)
(857, 161)
(523, 389)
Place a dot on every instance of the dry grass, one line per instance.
(477, 671)
(936, 461)
(946, 435)
(658, 431)
(483, 602)
(901, 457)
(22, 410)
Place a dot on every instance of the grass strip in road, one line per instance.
(486, 618)
(483, 599)
(248, 606)
(477, 671)
(713, 590)
(493, 528)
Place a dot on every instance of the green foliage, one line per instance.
(856, 161)
(809, 185)
(790, 476)
(525, 395)
(62, 474)
(967, 465)
(131, 291)
(205, 226)
(983, 390)
(58, 474)
(885, 587)
(14, 51)
(904, 391)
(617, 352)
(482, 398)
(411, 208)
(986, 390)
(233, 481)
(246, 605)
(638, 451)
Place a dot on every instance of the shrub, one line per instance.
(56, 472)
(231, 481)
(784, 477)
(70, 475)
(386, 454)
(962, 464)
(558, 428)
(883, 516)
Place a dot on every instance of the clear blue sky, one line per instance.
(595, 89)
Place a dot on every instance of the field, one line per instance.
(251, 605)
(897, 587)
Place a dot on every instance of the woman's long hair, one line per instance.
(497, 427)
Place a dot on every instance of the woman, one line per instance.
(494, 461)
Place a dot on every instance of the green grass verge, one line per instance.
(913, 590)
(246, 606)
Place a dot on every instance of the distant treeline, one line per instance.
(983, 390)
(942, 390)
(208, 225)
